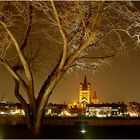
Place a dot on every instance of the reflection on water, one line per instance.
(69, 132)
(83, 131)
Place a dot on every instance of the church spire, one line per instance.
(85, 84)
(85, 80)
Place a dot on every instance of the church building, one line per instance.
(85, 93)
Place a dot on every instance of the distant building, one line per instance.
(85, 92)
(94, 99)
(3, 106)
(134, 109)
(85, 95)
(3, 100)
(16, 109)
(105, 110)
(55, 109)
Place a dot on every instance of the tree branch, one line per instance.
(80, 12)
(99, 57)
(21, 56)
(84, 67)
(46, 83)
(63, 34)
(28, 29)
(23, 60)
(14, 74)
(25, 65)
(97, 21)
(23, 103)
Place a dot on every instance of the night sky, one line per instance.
(118, 81)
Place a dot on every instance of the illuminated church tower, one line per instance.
(85, 92)
(95, 100)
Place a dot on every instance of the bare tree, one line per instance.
(78, 34)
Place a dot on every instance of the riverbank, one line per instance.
(116, 121)
(72, 121)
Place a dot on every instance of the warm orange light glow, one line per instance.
(74, 103)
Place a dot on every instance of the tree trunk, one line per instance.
(37, 127)
(34, 128)
(38, 121)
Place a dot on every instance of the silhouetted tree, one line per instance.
(71, 35)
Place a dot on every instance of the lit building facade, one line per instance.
(85, 92)
(55, 109)
(105, 110)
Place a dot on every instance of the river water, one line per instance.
(73, 132)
